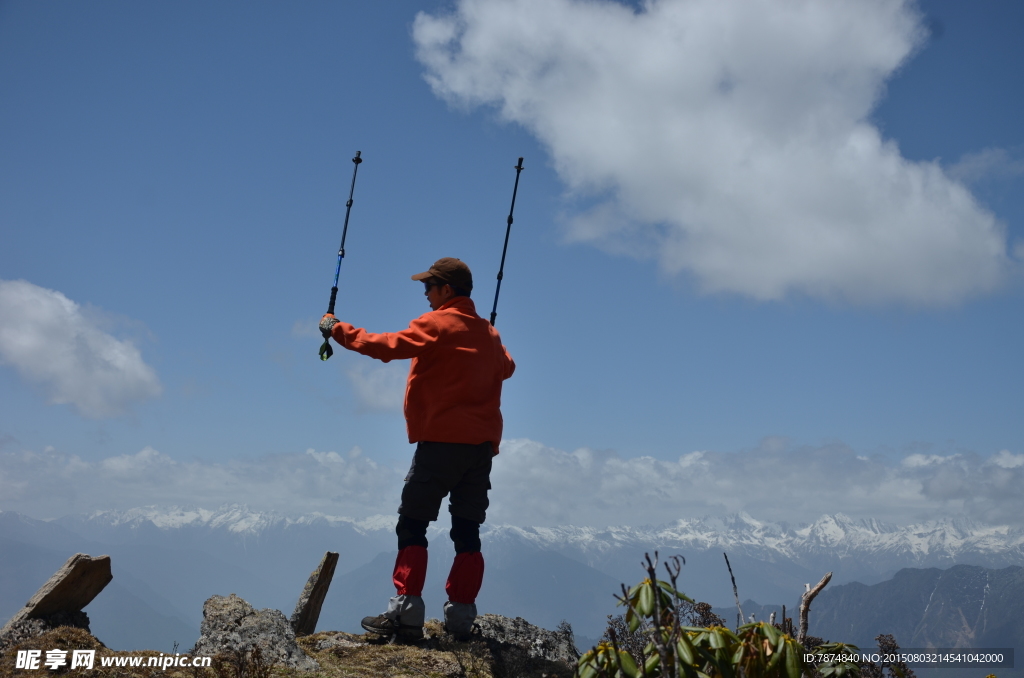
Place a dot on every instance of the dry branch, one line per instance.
(735, 592)
(805, 604)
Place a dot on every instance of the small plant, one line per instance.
(658, 610)
(634, 642)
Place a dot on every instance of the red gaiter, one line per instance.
(410, 571)
(465, 578)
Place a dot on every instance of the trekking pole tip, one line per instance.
(357, 159)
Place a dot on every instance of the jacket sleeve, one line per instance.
(409, 343)
(510, 365)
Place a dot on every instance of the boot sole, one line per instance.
(403, 635)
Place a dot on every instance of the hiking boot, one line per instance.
(387, 627)
(459, 621)
(402, 621)
(474, 633)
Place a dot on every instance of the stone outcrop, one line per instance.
(60, 600)
(307, 610)
(230, 624)
(538, 643)
(16, 631)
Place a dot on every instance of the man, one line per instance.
(452, 401)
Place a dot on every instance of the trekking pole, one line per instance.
(508, 229)
(326, 351)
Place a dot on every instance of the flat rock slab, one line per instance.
(231, 624)
(71, 588)
(307, 610)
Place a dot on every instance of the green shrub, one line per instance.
(675, 650)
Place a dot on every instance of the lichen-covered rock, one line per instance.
(231, 624)
(18, 631)
(538, 643)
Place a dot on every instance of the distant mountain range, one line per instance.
(772, 561)
(167, 561)
(964, 606)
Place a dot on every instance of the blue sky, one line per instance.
(745, 231)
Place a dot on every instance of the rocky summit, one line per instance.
(555, 646)
(230, 624)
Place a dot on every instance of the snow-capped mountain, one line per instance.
(831, 538)
(833, 535)
(771, 560)
(870, 547)
(234, 518)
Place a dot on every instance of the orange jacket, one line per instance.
(453, 394)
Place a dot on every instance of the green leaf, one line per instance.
(590, 667)
(793, 662)
(776, 659)
(645, 605)
(716, 640)
(633, 622)
(627, 665)
(674, 592)
(685, 649)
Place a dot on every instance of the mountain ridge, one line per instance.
(830, 532)
(771, 559)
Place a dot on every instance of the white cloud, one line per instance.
(922, 460)
(539, 485)
(728, 139)
(62, 350)
(536, 485)
(986, 164)
(379, 388)
(49, 484)
(1006, 459)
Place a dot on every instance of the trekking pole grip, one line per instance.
(334, 297)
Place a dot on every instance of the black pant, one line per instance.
(438, 469)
